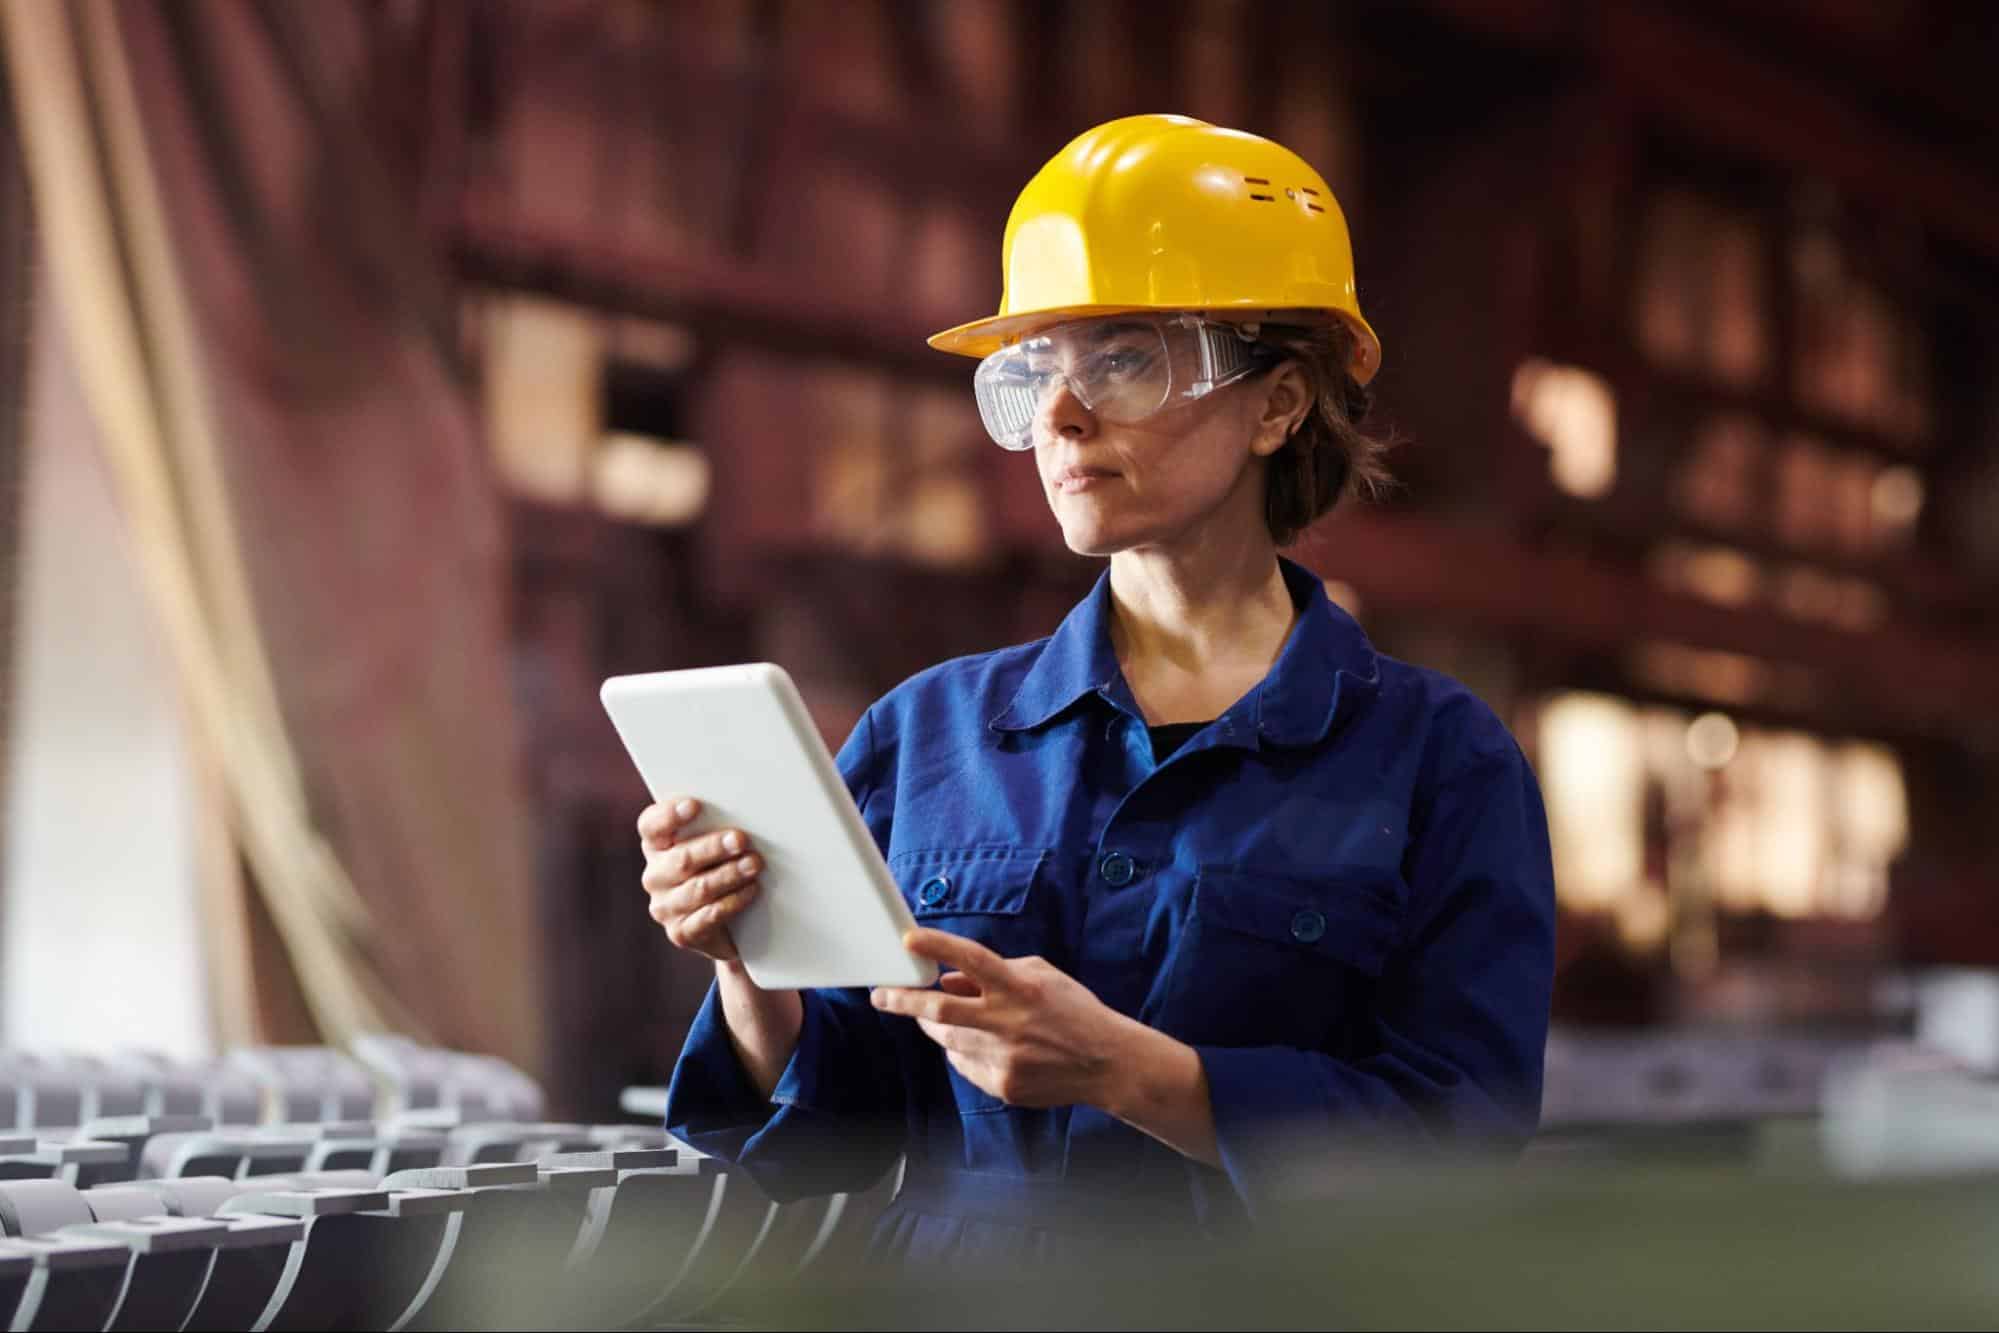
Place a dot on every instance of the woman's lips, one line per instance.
(1071, 480)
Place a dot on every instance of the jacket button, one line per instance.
(933, 890)
(1117, 870)
(1308, 926)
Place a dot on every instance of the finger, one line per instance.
(963, 1041)
(934, 1006)
(680, 903)
(957, 983)
(706, 888)
(968, 956)
(974, 1071)
(721, 911)
(669, 869)
(714, 941)
(655, 821)
(687, 859)
(659, 822)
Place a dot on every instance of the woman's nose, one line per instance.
(1064, 414)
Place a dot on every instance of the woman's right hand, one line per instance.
(699, 884)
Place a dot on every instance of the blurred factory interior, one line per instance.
(378, 377)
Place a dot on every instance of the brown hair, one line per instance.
(1328, 456)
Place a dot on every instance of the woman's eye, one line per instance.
(1124, 364)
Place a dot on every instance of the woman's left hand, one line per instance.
(1020, 1028)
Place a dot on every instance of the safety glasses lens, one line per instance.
(1009, 396)
(1122, 370)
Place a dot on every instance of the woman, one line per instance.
(1214, 882)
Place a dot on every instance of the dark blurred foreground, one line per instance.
(1703, 1242)
(401, 1186)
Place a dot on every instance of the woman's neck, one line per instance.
(1196, 629)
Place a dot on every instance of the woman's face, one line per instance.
(1192, 471)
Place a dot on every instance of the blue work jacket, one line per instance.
(1339, 893)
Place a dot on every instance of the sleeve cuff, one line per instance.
(821, 1131)
(712, 1093)
(1251, 1091)
(1279, 1117)
(808, 1080)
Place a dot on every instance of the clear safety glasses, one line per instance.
(1123, 368)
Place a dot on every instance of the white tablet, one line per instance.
(738, 739)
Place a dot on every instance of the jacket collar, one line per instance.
(1326, 671)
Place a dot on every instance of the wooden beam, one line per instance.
(1702, 84)
(1904, 678)
(1525, 22)
(918, 154)
(1928, 60)
(726, 297)
(1698, 80)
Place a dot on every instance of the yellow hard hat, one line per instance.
(1172, 213)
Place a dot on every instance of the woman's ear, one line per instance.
(1287, 400)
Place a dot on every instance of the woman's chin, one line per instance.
(1094, 539)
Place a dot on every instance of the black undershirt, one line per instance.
(1170, 737)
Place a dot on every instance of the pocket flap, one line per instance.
(1349, 919)
(985, 881)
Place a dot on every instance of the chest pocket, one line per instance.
(994, 895)
(1271, 958)
(983, 893)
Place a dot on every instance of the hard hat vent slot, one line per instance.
(1266, 198)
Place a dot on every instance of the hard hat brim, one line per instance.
(982, 337)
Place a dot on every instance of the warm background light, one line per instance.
(1573, 412)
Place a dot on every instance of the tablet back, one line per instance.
(738, 739)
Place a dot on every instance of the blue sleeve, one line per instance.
(838, 1115)
(1461, 1014)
